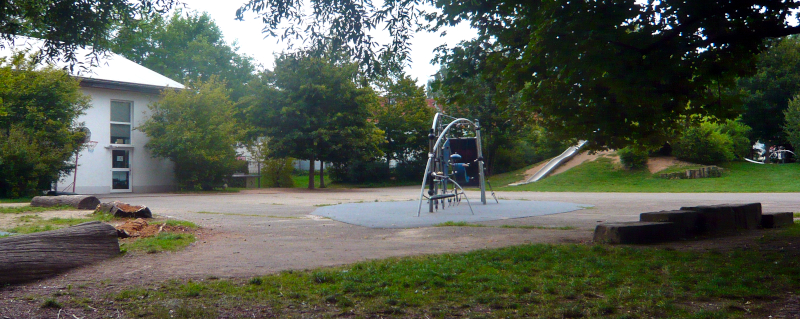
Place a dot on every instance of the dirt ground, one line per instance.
(258, 232)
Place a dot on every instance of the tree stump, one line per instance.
(120, 209)
(76, 201)
(39, 255)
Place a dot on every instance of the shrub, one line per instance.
(633, 157)
(277, 172)
(704, 144)
(737, 132)
(792, 126)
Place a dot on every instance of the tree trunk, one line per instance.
(311, 173)
(321, 174)
(38, 255)
(76, 201)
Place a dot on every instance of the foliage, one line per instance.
(529, 145)
(67, 26)
(311, 108)
(185, 47)
(196, 130)
(612, 72)
(738, 133)
(404, 117)
(472, 92)
(768, 91)
(792, 126)
(633, 157)
(277, 172)
(37, 126)
(704, 144)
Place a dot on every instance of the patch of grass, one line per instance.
(538, 227)
(457, 224)
(31, 209)
(165, 241)
(15, 200)
(543, 281)
(39, 225)
(500, 180)
(602, 176)
(183, 223)
(796, 215)
(51, 303)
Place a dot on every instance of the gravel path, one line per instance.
(264, 231)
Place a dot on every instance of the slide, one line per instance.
(554, 163)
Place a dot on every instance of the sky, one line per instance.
(252, 42)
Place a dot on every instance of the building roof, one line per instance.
(111, 71)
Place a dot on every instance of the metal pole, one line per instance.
(480, 161)
(75, 173)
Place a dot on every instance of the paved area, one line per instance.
(409, 214)
(263, 231)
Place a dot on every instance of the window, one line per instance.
(121, 122)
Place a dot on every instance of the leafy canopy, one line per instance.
(611, 72)
(312, 108)
(38, 135)
(69, 25)
(404, 117)
(195, 129)
(769, 90)
(185, 47)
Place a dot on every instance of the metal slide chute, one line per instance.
(554, 163)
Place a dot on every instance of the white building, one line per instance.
(116, 160)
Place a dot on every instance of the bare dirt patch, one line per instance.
(13, 220)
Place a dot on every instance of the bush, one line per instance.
(737, 132)
(409, 171)
(792, 126)
(704, 144)
(525, 149)
(277, 172)
(633, 157)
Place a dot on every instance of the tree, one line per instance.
(405, 118)
(611, 72)
(69, 25)
(776, 81)
(185, 47)
(195, 129)
(311, 108)
(38, 132)
(475, 93)
(792, 126)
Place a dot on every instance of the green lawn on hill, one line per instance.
(603, 175)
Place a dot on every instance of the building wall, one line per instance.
(94, 173)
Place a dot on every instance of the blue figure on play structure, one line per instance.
(459, 169)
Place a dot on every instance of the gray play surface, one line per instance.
(404, 214)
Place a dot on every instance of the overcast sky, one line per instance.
(252, 42)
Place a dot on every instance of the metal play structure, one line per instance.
(448, 166)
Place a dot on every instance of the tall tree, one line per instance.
(67, 26)
(312, 108)
(404, 116)
(768, 92)
(38, 135)
(187, 46)
(611, 72)
(195, 128)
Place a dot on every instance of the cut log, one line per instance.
(39, 255)
(76, 201)
(122, 210)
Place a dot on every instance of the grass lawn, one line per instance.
(603, 176)
(540, 280)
